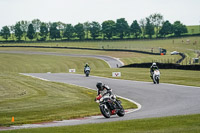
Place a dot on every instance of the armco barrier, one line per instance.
(121, 50)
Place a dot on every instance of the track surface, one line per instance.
(156, 100)
(112, 62)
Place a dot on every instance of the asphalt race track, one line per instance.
(155, 100)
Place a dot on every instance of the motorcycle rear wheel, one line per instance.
(121, 112)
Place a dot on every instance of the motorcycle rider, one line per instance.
(103, 90)
(86, 65)
(152, 69)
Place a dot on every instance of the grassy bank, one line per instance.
(126, 57)
(176, 124)
(22, 63)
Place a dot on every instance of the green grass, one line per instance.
(144, 45)
(23, 63)
(32, 100)
(175, 124)
(193, 29)
(176, 44)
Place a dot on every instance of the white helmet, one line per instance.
(154, 64)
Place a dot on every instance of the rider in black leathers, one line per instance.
(103, 89)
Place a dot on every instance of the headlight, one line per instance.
(101, 99)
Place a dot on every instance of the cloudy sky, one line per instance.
(75, 11)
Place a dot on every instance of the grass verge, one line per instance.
(175, 124)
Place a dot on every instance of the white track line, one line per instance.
(34, 77)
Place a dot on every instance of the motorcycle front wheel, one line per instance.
(105, 111)
(87, 73)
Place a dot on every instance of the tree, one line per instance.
(36, 24)
(18, 31)
(31, 32)
(179, 28)
(135, 29)
(48, 27)
(54, 32)
(156, 19)
(167, 28)
(5, 32)
(142, 25)
(79, 30)
(149, 28)
(12, 30)
(86, 27)
(24, 27)
(43, 31)
(61, 27)
(69, 31)
(108, 28)
(95, 29)
(122, 27)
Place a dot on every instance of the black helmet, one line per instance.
(99, 85)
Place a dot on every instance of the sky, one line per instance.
(80, 11)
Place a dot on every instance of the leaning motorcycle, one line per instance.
(156, 76)
(109, 105)
(87, 71)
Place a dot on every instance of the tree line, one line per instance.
(153, 25)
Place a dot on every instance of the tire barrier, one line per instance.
(165, 66)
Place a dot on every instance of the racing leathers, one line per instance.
(105, 91)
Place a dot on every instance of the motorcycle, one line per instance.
(156, 76)
(87, 71)
(109, 105)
